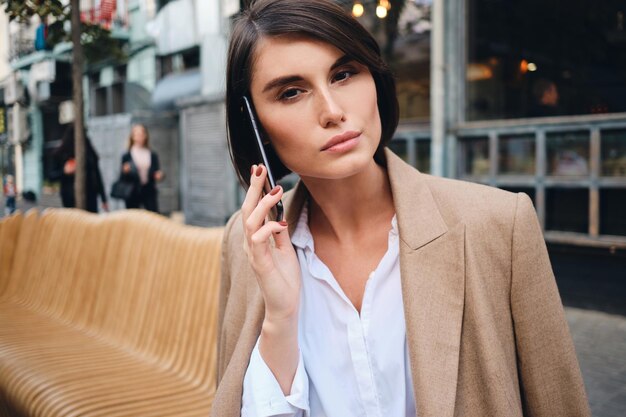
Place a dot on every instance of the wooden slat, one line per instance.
(115, 315)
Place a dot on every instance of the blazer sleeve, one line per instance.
(155, 164)
(550, 380)
(225, 284)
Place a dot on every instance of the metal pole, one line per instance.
(77, 90)
(437, 90)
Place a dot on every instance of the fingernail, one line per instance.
(275, 190)
(282, 223)
(259, 171)
(252, 169)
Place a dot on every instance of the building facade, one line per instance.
(526, 97)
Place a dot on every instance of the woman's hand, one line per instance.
(126, 167)
(158, 176)
(277, 271)
(270, 252)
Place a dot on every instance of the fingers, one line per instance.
(260, 243)
(262, 236)
(255, 208)
(253, 194)
(257, 217)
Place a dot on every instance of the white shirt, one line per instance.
(142, 159)
(349, 365)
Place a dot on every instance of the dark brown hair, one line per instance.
(321, 20)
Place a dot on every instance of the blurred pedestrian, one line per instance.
(10, 193)
(65, 170)
(141, 165)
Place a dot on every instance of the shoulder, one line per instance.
(477, 206)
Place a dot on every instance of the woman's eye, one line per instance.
(289, 94)
(343, 75)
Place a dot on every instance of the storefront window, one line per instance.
(517, 155)
(422, 155)
(612, 212)
(399, 147)
(613, 147)
(402, 29)
(539, 58)
(568, 154)
(474, 156)
(567, 209)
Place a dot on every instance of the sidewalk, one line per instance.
(600, 341)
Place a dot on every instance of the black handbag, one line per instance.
(123, 189)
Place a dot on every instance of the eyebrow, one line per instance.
(288, 79)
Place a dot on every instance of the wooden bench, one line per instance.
(112, 315)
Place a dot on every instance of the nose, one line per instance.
(330, 112)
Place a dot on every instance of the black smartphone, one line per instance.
(278, 210)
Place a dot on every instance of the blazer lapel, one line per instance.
(433, 289)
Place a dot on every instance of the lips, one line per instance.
(344, 137)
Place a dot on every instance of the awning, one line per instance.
(175, 86)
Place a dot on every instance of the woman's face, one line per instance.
(139, 136)
(319, 108)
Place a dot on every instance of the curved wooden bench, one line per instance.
(110, 315)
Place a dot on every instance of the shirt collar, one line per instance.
(302, 237)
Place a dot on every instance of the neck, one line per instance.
(349, 208)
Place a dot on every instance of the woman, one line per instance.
(140, 165)
(65, 170)
(385, 292)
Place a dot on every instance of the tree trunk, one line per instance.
(77, 90)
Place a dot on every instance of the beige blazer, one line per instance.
(485, 326)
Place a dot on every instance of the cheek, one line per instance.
(284, 128)
(369, 110)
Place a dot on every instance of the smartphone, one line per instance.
(278, 210)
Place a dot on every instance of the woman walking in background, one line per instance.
(66, 168)
(141, 166)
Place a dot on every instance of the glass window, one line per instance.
(474, 156)
(100, 101)
(399, 147)
(422, 155)
(613, 147)
(117, 97)
(538, 58)
(613, 212)
(517, 155)
(567, 209)
(402, 29)
(568, 154)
